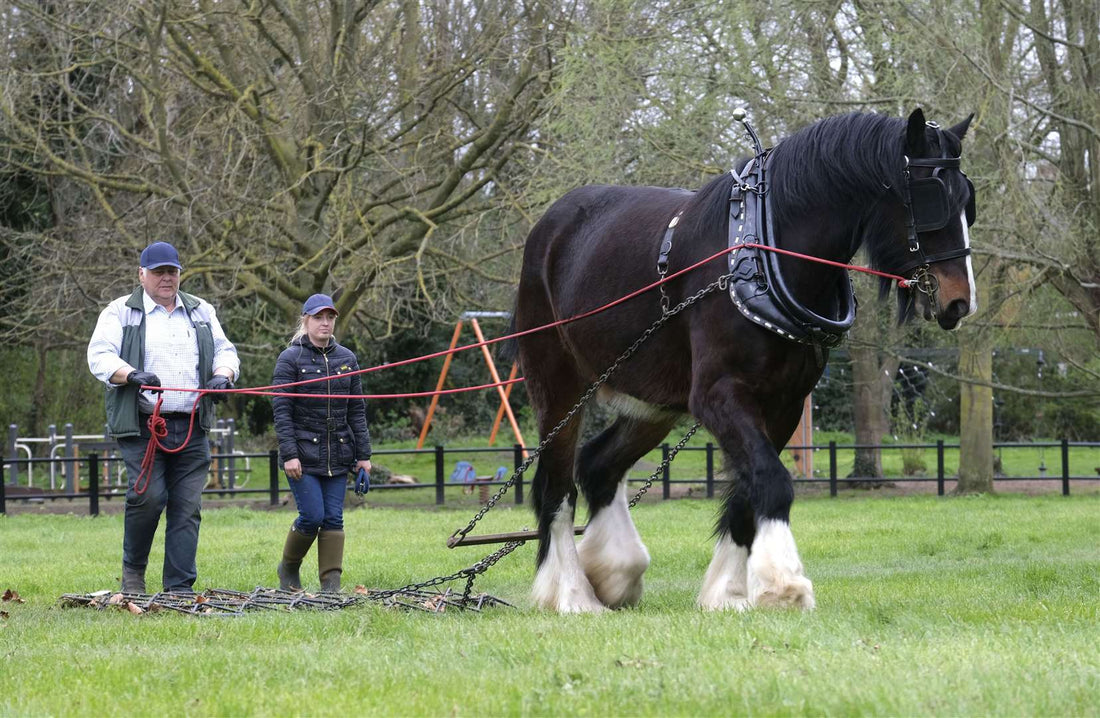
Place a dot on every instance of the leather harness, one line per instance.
(757, 287)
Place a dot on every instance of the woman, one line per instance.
(320, 441)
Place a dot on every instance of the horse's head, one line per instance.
(938, 209)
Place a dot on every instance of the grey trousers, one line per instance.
(175, 487)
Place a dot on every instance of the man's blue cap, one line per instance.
(160, 254)
(317, 303)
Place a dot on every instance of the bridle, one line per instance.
(928, 208)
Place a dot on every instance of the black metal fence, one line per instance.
(95, 462)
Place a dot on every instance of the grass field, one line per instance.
(960, 606)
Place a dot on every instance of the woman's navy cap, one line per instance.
(160, 254)
(317, 303)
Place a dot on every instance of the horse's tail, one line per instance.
(509, 348)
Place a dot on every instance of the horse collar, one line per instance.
(757, 287)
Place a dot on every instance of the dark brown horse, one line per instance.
(890, 185)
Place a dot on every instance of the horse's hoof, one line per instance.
(795, 592)
(617, 591)
(728, 603)
(570, 602)
(596, 607)
(725, 584)
(571, 594)
(613, 556)
(616, 581)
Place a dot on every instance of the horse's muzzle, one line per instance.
(953, 313)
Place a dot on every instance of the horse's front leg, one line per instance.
(755, 562)
(725, 584)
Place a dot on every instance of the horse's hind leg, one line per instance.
(560, 584)
(612, 553)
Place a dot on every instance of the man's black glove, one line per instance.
(143, 378)
(362, 482)
(219, 382)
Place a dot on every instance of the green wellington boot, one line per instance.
(330, 559)
(294, 550)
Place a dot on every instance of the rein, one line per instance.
(158, 429)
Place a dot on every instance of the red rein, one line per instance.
(158, 427)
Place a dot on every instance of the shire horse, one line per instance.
(741, 361)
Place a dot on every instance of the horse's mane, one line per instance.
(846, 162)
(835, 161)
(843, 162)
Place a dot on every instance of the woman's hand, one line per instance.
(293, 469)
(365, 465)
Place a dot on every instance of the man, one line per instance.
(160, 336)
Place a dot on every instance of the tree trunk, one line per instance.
(871, 382)
(39, 400)
(975, 418)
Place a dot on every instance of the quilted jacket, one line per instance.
(327, 435)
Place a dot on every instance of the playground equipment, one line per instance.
(504, 391)
(464, 473)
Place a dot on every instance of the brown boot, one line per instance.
(294, 550)
(133, 580)
(330, 559)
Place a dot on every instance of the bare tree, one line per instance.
(288, 148)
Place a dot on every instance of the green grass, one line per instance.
(961, 606)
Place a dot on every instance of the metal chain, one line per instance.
(471, 572)
(664, 464)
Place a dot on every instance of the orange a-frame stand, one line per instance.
(503, 391)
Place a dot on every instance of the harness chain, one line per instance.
(471, 572)
(671, 455)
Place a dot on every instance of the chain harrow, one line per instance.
(225, 602)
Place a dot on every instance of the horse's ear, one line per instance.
(960, 129)
(916, 144)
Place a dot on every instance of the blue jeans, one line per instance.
(320, 501)
(175, 484)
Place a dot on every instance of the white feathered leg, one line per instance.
(613, 555)
(725, 585)
(560, 584)
(775, 575)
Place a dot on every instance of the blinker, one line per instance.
(930, 200)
